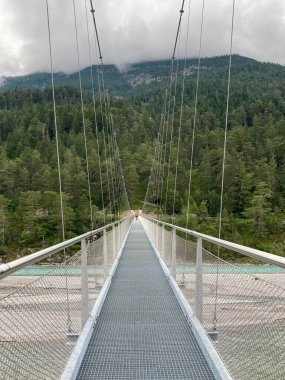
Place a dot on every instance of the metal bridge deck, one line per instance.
(141, 332)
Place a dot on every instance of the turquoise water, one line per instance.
(223, 268)
(52, 270)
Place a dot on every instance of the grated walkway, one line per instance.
(141, 332)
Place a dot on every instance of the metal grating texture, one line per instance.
(241, 309)
(141, 332)
(42, 309)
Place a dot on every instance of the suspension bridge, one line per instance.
(140, 298)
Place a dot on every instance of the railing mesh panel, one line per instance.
(243, 313)
(41, 312)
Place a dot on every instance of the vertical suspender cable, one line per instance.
(112, 143)
(104, 136)
(157, 166)
(171, 135)
(113, 154)
(103, 90)
(122, 174)
(154, 172)
(56, 127)
(161, 162)
(58, 163)
(195, 114)
(224, 159)
(167, 126)
(181, 109)
(95, 113)
(227, 120)
(108, 130)
(119, 177)
(177, 39)
(83, 115)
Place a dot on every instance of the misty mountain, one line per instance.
(144, 76)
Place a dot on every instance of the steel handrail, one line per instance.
(267, 257)
(13, 266)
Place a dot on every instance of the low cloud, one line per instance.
(132, 31)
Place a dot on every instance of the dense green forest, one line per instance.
(254, 198)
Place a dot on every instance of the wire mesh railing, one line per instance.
(243, 312)
(43, 308)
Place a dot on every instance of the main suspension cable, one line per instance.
(174, 102)
(110, 130)
(103, 90)
(95, 112)
(181, 109)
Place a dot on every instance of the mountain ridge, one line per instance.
(137, 76)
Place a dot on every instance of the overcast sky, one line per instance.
(135, 30)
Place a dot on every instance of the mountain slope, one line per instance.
(144, 76)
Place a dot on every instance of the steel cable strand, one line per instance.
(115, 158)
(181, 108)
(100, 68)
(166, 130)
(177, 43)
(156, 169)
(94, 111)
(83, 114)
(171, 135)
(113, 152)
(121, 172)
(117, 174)
(106, 106)
(161, 163)
(195, 115)
(108, 131)
(58, 157)
(224, 158)
(152, 180)
(161, 134)
(106, 102)
(170, 95)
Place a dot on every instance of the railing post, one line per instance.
(199, 281)
(117, 238)
(156, 235)
(158, 240)
(84, 284)
(114, 241)
(105, 253)
(162, 241)
(173, 254)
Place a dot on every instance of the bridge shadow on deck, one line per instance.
(141, 332)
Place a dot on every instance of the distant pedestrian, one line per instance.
(136, 214)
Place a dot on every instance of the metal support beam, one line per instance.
(84, 284)
(199, 281)
(156, 234)
(114, 241)
(173, 253)
(162, 242)
(105, 253)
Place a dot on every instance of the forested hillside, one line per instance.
(254, 178)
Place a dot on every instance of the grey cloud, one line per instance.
(134, 30)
